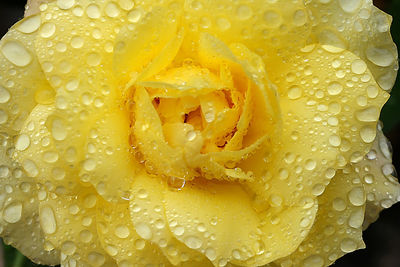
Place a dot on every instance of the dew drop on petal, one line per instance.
(22, 142)
(143, 230)
(357, 196)
(30, 24)
(12, 212)
(47, 220)
(16, 53)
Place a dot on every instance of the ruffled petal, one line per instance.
(328, 120)
(210, 217)
(69, 224)
(148, 215)
(337, 229)
(120, 240)
(361, 28)
(377, 174)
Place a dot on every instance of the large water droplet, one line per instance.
(380, 56)
(47, 220)
(357, 196)
(30, 24)
(16, 53)
(12, 212)
(193, 242)
(22, 142)
(143, 230)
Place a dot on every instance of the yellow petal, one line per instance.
(69, 224)
(19, 207)
(120, 240)
(22, 82)
(209, 218)
(37, 152)
(338, 225)
(109, 163)
(151, 140)
(139, 43)
(148, 217)
(323, 118)
(257, 24)
(366, 33)
(376, 172)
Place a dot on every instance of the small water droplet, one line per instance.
(23, 142)
(357, 196)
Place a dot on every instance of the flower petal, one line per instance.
(337, 229)
(361, 28)
(210, 217)
(148, 217)
(120, 240)
(325, 115)
(265, 28)
(109, 163)
(22, 82)
(377, 174)
(69, 223)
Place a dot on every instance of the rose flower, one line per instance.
(194, 133)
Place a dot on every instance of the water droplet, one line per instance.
(30, 168)
(93, 11)
(122, 231)
(244, 12)
(335, 88)
(272, 19)
(372, 91)
(96, 259)
(348, 245)
(89, 164)
(30, 24)
(193, 242)
(310, 164)
(58, 130)
(380, 56)
(314, 261)
(223, 24)
(358, 66)
(299, 18)
(339, 204)
(47, 30)
(370, 114)
(294, 92)
(50, 156)
(350, 6)
(178, 230)
(134, 16)
(112, 10)
(318, 189)
(22, 142)
(335, 140)
(12, 212)
(47, 220)
(140, 244)
(356, 218)
(211, 254)
(357, 196)
(368, 134)
(65, 4)
(77, 42)
(143, 230)
(16, 53)
(93, 59)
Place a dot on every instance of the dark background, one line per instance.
(382, 238)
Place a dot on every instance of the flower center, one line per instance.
(201, 117)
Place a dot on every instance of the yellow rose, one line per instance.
(194, 133)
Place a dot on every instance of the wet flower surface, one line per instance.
(195, 133)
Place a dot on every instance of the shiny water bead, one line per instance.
(12, 212)
(16, 53)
